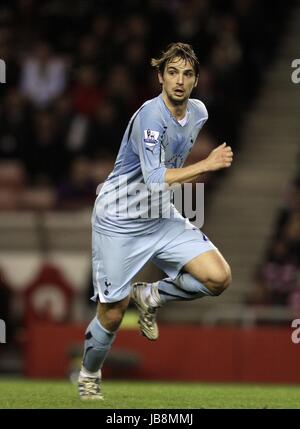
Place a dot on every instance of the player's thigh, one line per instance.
(209, 266)
(116, 260)
(184, 243)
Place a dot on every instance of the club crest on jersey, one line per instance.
(151, 138)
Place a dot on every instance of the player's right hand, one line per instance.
(221, 157)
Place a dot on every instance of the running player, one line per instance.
(126, 233)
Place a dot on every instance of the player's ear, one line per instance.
(196, 82)
(160, 78)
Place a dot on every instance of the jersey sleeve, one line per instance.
(202, 114)
(147, 134)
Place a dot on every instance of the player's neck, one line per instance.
(178, 111)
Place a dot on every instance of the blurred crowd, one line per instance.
(77, 70)
(277, 279)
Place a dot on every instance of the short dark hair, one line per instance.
(176, 50)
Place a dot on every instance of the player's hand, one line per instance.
(221, 157)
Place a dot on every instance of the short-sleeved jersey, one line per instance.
(153, 142)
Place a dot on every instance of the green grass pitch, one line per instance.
(151, 395)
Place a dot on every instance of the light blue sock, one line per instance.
(184, 287)
(98, 341)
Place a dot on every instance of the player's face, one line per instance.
(178, 80)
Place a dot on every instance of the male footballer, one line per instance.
(126, 236)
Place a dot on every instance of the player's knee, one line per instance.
(111, 314)
(221, 280)
(113, 320)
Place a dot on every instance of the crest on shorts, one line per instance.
(107, 285)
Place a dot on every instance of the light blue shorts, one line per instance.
(117, 259)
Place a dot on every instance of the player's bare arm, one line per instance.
(219, 158)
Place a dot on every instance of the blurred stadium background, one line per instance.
(76, 71)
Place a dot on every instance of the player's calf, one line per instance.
(98, 341)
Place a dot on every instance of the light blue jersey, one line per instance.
(153, 142)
